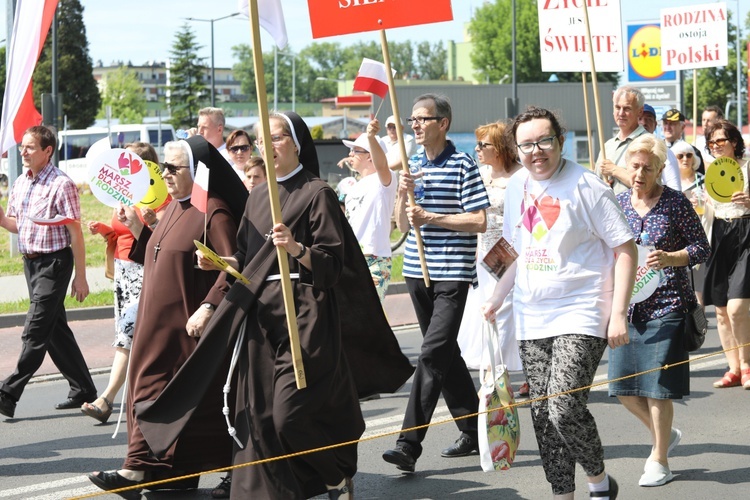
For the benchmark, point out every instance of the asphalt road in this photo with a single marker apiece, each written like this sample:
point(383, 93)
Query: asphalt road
point(45, 453)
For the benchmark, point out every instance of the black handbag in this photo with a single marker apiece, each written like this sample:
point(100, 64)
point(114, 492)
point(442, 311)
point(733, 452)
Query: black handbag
point(696, 326)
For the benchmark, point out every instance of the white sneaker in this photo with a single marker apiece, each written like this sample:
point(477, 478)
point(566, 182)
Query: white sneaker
point(655, 474)
point(674, 439)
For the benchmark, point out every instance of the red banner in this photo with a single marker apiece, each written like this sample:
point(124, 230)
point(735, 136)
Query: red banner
point(342, 17)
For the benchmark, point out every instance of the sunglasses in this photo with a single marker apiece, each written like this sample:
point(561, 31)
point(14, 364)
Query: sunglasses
point(171, 169)
point(244, 148)
point(481, 145)
point(680, 156)
point(718, 142)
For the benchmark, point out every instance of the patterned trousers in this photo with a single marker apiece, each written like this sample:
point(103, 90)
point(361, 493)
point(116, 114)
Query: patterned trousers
point(565, 429)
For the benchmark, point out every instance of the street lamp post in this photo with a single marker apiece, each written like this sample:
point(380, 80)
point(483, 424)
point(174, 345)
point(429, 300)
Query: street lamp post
point(213, 68)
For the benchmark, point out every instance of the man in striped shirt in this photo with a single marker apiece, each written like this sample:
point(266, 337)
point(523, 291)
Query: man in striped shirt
point(450, 215)
point(51, 244)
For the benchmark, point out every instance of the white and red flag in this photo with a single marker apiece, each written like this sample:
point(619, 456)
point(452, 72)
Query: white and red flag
point(30, 28)
point(199, 198)
point(372, 77)
point(271, 18)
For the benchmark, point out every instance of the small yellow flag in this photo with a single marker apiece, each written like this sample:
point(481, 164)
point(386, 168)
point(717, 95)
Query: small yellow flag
point(219, 262)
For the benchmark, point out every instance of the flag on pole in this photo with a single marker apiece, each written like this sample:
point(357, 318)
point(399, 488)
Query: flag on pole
point(372, 77)
point(271, 17)
point(30, 27)
point(199, 198)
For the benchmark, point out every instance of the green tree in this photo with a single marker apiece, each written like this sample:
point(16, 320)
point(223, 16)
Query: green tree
point(715, 85)
point(402, 59)
point(187, 92)
point(123, 92)
point(491, 29)
point(432, 61)
point(76, 84)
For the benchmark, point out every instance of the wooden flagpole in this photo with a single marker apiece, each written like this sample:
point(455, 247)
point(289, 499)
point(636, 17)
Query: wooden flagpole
point(695, 107)
point(273, 195)
point(588, 121)
point(594, 83)
point(402, 147)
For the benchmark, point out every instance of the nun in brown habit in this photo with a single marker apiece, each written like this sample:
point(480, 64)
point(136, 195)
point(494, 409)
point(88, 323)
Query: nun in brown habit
point(173, 309)
point(348, 348)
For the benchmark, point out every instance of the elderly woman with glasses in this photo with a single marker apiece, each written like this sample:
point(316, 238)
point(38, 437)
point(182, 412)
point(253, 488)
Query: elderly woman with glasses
point(571, 285)
point(727, 285)
point(663, 219)
point(688, 162)
point(176, 302)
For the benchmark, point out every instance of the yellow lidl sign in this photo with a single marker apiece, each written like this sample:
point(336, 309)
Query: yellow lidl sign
point(644, 54)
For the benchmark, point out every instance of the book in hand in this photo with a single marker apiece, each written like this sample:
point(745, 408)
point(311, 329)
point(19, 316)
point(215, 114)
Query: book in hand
point(499, 258)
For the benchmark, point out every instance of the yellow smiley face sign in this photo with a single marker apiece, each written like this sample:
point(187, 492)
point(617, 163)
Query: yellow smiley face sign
point(724, 178)
point(157, 189)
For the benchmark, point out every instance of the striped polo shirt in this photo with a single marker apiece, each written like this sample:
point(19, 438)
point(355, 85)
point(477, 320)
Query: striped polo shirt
point(452, 186)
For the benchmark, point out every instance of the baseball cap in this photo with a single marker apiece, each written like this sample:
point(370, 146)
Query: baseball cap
point(363, 142)
point(673, 115)
point(390, 121)
point(647, 108)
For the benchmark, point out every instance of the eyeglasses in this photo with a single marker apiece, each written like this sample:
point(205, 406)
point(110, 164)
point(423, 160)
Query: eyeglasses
point(481, 145)
point(358, 152)
point(717, 142)
point(680, 156)
point(171, 169)
point(275, 139)
point(543, 144)
point(244, 148)
point(390, 126)
point(422, 119)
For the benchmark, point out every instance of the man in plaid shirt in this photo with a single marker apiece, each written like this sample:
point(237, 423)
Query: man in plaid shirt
point(50, 247)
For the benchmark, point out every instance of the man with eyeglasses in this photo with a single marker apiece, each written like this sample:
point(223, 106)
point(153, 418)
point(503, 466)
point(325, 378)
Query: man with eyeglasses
point(673, 125)
point(628, 105)
point(51, 252)
point(450, 215)
point(369, 204)
point(393, 151)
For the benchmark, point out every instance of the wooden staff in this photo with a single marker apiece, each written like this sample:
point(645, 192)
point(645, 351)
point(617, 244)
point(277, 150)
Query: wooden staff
point(273, 196)
point(588, 121)
point(695, 107)
point(594, 83)
point(402, 147)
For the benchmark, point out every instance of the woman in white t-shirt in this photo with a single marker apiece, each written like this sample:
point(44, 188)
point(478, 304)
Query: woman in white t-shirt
point(369, 203)
point(568, 304)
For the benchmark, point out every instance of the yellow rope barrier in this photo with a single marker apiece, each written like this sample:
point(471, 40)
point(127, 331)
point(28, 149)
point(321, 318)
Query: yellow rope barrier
point(393, 433)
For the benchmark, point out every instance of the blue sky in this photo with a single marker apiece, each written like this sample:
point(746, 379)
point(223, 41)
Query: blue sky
point(136, 31)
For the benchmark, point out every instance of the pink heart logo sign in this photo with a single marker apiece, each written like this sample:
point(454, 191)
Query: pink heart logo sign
point(550, 209)
point(117, 176)
point(135, 166)
point(123, 163)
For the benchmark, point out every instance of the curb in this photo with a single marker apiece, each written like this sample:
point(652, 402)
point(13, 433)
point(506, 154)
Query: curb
point(105, 312)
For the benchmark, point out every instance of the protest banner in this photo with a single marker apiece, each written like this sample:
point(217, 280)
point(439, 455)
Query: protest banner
point(562, 35)
point(343, 17)
point(694, 37)
point(118, 176)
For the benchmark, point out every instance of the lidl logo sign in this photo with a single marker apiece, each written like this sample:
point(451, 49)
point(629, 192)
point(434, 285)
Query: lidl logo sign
point(644, 54)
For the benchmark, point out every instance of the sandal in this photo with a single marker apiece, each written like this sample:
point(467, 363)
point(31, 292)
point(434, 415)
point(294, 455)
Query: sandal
point(94, 411)
point(346, 491)
point(523, 391)
point(224, 488)
point(728, 380)
point(746, 378)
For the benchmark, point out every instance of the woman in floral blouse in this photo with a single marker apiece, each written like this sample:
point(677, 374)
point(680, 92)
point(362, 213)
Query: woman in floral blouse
point(663, 218)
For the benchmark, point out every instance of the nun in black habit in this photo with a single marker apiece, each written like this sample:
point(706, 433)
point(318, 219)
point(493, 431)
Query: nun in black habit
point(348, 348)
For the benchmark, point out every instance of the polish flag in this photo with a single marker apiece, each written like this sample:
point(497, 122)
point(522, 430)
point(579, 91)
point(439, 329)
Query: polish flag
point(271, 18)
point(30, 27)
point(372, 77)
point(199, 198)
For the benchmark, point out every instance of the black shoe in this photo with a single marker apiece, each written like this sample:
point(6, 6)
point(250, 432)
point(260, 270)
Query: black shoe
point(463, 447)
point(223, 489)
point(75, 402)
point(109, 481)
point(7, 405)
point(401, 457)
point(612, 492)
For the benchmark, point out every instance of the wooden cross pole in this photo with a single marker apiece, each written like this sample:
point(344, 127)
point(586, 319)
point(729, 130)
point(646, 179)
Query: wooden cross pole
point(402, 146)
point(588, 121)
point(273, 195)
point(594, 83)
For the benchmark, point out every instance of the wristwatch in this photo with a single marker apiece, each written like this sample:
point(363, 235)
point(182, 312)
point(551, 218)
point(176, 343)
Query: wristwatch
point(208, 306)
point(301, 253)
